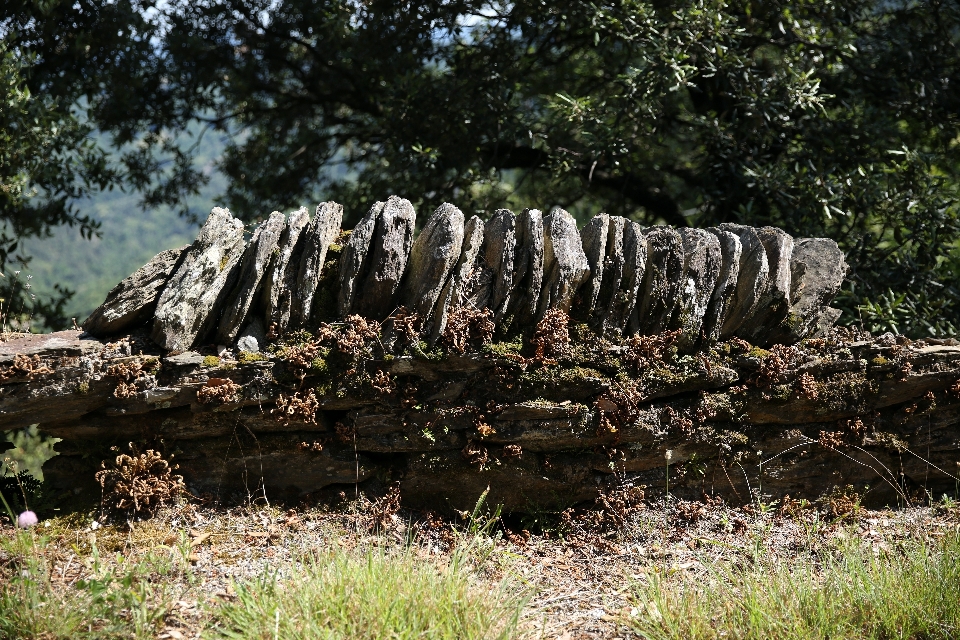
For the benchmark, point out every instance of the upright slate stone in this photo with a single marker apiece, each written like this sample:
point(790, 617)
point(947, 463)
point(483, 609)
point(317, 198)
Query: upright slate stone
point(565, 266)
point(454, 292)
point(613, 265)
point(818, 268)
point(277, 288)
point(701, 268)
point(774, 306)
point(133, 301)
point(662, 282)
point(634, 266)
point(189, 299)
point(724, 294)
point(353, 260)
point(253, 265)
point(528, 267)
point(389, 252)
point(435, 253)
point(593, 238)
point(500, 242)
point(317, 238)
point(751, 279)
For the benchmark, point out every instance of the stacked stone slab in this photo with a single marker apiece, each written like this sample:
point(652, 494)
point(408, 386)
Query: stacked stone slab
point(622, 279)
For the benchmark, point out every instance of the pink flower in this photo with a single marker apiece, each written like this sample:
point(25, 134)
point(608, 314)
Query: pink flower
point(27, 519)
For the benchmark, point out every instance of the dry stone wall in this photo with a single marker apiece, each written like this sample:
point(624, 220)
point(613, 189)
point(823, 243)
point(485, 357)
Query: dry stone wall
point(713, 284)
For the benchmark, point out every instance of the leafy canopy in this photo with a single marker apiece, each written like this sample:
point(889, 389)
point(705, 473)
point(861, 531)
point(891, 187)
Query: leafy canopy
point(835, 118)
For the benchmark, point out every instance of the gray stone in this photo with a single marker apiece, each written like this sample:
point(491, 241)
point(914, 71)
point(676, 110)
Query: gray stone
point(196, 285)
point(278, 285)
point(353, 260)
point(613, 265)
point(661, 284)
point(528, 266)
point(253, 337)
point(818, 268)
point(701, 268)
point(500, 242)
point(435, 253)
point(253, 265)
point(751, 279)
point(133, 301)
point(593, 238)
point(317, 238)
point(634, 266)
point(775, 304)
point(725, 293)
point(455, 292)
point(565, 266)
point(389, 251)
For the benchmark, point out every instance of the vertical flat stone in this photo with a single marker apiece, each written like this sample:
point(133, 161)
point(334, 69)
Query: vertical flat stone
point(613, 266)
point(818, 268)
point(701, 268)
point(189, 297)
point(662, 282)
point(724, 294)
point(353, 260)
point(593, 238)
point(433, 257)
point(565, 266)
point(317, 238)
point(454, 292)
point(751, 279)
point(775, 304)
point(277, 287)
point(253, 265)
point(528, 267)
point(500, 242)
point(628, 293)
point(133, 301)
point(389, 252)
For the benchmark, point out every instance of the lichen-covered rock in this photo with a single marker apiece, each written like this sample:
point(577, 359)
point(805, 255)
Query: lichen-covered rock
point(775, 304)
point(500, 242)
point(133, 301)
point(253, 337)
point(454, 292)
point(433, 257)
point(565, 266)
point(751, 279)
point(278, 290)
point(662, 282)
point(190, 297)
point(634, 267)
point(817, 272)
point(317, 238)
point(528, 266)
point(701, 268)
point(725, 291)
point(593, 237)
point(389, 251)
point(253, 266)
point(353, 260)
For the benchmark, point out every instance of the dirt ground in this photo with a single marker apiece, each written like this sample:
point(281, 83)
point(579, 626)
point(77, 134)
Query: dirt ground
point(580, 568)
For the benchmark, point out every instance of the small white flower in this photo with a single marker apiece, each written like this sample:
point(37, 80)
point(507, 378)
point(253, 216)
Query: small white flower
point(668, 455)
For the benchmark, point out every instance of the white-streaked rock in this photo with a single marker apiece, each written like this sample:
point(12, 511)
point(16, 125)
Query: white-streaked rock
point(433, 257)
point(317, 238)
point(565, 266)
point(389, 252)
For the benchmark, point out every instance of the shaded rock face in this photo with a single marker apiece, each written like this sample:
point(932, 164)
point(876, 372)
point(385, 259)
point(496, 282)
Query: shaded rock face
point(387, 259)
point(662, 282)
point(617, 277)
point(134, 300)
point(319, 235)
point(188, 304)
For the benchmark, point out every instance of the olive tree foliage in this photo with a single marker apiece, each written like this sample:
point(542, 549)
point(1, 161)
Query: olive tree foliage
point(826, 117)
